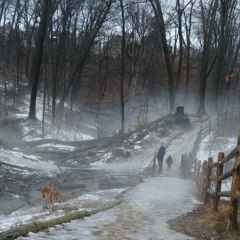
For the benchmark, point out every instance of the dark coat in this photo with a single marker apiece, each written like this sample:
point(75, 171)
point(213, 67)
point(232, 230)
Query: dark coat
point(169, 160)
point(161, 153)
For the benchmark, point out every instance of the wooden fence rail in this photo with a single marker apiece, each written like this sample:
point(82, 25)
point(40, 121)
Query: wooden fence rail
point(208, 173)
point(211, 173)
point(212, 124)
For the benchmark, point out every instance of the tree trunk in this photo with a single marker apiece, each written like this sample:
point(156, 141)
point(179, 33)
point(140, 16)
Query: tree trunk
point(188, 28)
point(82, 58)
point(207, 31)
point(122, 68)
point(37, 60)
point(179, 71)
point(222, 47)
point(234, 200)
point(160, 20)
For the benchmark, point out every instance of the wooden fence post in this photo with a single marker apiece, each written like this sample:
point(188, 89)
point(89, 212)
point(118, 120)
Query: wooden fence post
point(198, 174)
point(208, 180)
point(199, 137)
point(204, 179)
point(188, 164)
point(195, 167)
point(234, 198)
point(218, 183)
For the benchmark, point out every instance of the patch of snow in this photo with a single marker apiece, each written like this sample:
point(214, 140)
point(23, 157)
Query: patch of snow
point(58, 146)
point(209, 148)
point(103, 160)
point(136, 147)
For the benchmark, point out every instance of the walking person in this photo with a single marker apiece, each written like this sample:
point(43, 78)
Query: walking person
point(160, 156)
point(169, 162)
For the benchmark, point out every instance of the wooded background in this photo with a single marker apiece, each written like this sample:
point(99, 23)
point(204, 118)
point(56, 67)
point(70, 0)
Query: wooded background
point(122, 54)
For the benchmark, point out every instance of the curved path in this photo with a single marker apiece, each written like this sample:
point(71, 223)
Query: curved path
point(146, 208)
point(143, 215)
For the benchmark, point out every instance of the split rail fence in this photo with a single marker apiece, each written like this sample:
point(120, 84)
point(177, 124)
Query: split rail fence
point(212, 124)
point(209, 176)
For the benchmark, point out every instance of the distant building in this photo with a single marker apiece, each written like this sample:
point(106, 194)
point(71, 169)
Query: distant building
point(192, 50)
point(5, 31)
point(113, 46)
point(29, 37)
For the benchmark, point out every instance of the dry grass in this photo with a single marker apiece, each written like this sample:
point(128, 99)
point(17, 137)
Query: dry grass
point(204, 223)
point(214, 218)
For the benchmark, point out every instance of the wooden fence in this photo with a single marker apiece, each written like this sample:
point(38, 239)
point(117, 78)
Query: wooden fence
point(209, 176)
point(211, 124)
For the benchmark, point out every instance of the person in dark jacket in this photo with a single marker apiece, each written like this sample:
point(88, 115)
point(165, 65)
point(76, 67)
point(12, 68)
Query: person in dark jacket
point(160, 156)
point(169, 162)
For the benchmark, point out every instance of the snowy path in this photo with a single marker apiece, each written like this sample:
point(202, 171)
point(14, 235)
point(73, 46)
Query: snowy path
point(146, 208)
point(142, 215)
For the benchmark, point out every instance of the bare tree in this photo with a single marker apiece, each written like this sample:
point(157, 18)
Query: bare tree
point(61, 47)
point(179, 11)
point(122, 76)
point(96, 21)
point(36, 64)
point(226, 11)
point(161, 24)
point(187, 45)
point(208, 20)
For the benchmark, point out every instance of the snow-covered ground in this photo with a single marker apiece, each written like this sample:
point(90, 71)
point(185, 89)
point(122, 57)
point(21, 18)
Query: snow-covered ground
point(210, 147)
point(142, 215)
point(145, 209)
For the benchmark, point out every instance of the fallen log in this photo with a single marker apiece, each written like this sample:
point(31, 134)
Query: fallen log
point(39, 225)
point(151, 126)
point(15, 166)
point(143, 134)
point(63, 154)
point(71, 186)
point(54, 141)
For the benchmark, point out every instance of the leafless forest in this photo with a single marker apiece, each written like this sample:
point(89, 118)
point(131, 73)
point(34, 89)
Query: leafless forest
point(129, 60)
